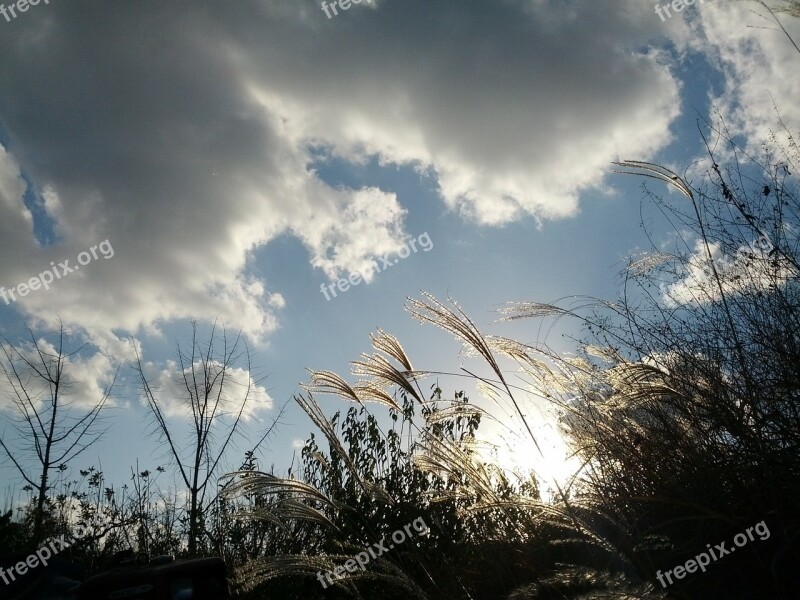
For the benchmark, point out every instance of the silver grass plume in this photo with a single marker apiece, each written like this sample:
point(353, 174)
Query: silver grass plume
point(655, 172)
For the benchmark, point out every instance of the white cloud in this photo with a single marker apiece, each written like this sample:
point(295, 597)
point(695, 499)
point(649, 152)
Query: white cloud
point(170, 390)
point(85, 378)
point(759, 64)
point(16, 224)
point(514, 106)
point(750, 268)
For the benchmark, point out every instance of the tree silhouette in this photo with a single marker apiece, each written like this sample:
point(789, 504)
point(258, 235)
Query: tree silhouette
point(49, 426)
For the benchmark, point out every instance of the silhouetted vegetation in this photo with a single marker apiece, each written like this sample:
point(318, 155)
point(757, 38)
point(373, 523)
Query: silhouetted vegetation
point(682, 401)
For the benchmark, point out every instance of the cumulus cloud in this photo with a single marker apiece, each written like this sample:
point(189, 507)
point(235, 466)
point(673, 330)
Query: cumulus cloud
point(759, 64)
point(477, 96)
point(86, 377)
point(184, 136)
point(752, 267)
point(168, 385)
point(16, 226)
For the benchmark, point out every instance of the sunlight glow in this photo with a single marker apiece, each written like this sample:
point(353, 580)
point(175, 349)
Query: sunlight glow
point(518, 454)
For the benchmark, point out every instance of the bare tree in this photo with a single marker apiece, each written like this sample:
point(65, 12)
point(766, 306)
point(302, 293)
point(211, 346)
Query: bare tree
point(205, 379)
point(48, 423)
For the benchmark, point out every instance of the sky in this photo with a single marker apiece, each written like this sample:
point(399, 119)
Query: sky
point(227, 161)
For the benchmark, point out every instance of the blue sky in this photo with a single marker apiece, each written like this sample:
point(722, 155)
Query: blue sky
point(240, 155)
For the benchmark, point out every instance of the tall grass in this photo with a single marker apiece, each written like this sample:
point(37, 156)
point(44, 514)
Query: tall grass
point(683, 409)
